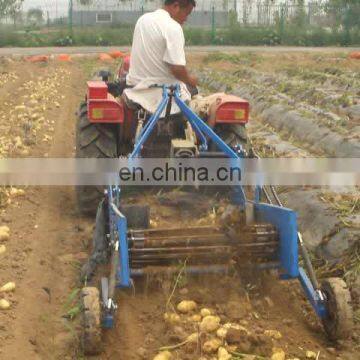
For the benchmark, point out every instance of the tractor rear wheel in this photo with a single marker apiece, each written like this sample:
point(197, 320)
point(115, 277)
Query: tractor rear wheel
point(91, 335)
point(93, 141)
point(234, 135)
point(339, 322)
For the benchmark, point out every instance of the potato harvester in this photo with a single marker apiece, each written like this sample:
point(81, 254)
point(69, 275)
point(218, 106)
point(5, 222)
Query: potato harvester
point(268, 238)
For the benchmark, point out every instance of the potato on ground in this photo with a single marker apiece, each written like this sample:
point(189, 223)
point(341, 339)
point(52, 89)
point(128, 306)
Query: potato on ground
point(4, 233)
point(209, 323)
point(186, 306)
point(164, 355)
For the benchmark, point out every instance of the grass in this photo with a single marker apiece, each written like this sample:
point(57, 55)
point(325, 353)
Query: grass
point(344, 204)
point(72, 306)
point(348, 267)
point(179, 281)
point(121, 35)
point(88, 66)
point(239, 356)
point(3, 197)
point(291, 36)
point(246, 58)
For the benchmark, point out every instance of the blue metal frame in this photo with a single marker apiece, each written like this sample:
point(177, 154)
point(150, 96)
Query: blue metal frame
point(118, 239)
point(118, 232)
point(317, 303)
point(285, 220)
point(203, 127)
point(202, 130)
point(149, 127)
point(124, 268)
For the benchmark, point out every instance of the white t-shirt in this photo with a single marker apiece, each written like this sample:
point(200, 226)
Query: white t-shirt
point(158, 41)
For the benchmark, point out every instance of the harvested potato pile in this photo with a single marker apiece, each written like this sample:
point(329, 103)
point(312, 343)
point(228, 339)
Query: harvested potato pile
point(7, 77)
point(30, 113)
point(204, 333)
point(212, 318)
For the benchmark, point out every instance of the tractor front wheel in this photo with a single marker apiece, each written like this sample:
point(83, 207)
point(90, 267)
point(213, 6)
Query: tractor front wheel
point(339, 321)
point(91, 335)
point(93, 141)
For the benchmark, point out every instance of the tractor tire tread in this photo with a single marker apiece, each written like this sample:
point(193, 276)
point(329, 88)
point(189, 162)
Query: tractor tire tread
point(87, 136)
point(91, 335)
point(106, 147)
point(83, 120)
point(92, 141)
point(234, 134)
point(340, 323)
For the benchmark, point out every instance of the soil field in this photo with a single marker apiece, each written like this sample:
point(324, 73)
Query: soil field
point(192, 49)
point(48, 240)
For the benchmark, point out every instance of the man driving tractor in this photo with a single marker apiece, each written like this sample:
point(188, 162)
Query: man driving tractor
point(117, 113)
point(158, 55)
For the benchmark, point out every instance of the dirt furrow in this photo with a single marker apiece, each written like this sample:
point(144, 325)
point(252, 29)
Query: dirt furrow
point(285, 119)
point(270, 144)
point(46, 244)
point(329, 95)
point(327, 231)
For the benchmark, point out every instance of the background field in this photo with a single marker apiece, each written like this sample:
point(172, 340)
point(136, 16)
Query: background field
point(241, 22)
point(49, 240)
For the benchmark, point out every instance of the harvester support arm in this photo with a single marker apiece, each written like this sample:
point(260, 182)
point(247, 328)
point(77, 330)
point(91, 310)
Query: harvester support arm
point(201, 127)
point(149, 127)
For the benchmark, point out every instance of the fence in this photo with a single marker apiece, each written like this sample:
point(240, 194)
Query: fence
point(311, 13)
point(207, 12)
point(127, 12)
point(221, 21)
point(221, 12)
point(148, 5)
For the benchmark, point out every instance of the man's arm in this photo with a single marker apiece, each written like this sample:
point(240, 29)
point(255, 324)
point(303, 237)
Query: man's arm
point(181, 73)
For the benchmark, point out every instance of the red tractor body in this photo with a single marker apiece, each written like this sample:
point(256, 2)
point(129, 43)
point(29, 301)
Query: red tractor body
point(230, 109)
point(102, 106)
point(105, 108)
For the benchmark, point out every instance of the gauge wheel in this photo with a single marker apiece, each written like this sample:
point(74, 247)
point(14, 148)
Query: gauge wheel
point(338, 323)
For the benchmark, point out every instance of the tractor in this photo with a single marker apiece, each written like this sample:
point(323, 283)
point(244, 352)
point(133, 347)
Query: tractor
point(108, 126)
point(265, 236)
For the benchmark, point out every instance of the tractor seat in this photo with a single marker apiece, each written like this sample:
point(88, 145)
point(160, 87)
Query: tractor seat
point(130, 104)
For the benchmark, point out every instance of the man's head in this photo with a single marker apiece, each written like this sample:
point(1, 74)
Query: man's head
point(179, 10)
